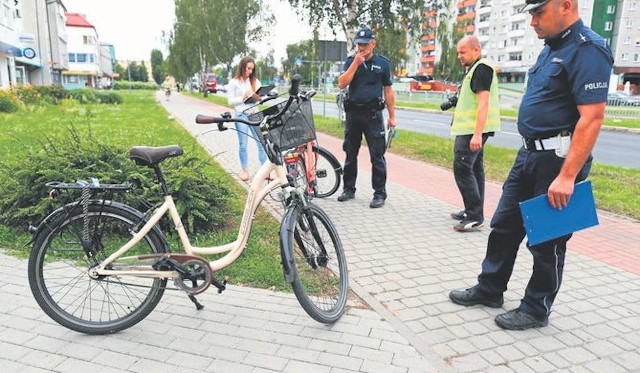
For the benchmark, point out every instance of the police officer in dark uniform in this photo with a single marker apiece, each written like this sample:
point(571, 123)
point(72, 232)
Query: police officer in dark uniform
point(368, 76)
point(559, 120)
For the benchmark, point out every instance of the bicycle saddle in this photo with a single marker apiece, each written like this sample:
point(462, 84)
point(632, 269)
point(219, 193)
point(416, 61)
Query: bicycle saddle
point(151, 156)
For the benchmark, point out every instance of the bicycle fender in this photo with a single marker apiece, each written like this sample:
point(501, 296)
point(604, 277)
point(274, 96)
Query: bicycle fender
point(45, 224)
point(332, 158)
point(286, 253)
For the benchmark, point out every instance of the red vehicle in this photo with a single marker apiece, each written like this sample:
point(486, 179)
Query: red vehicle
point(210, 83)
point(427, 83)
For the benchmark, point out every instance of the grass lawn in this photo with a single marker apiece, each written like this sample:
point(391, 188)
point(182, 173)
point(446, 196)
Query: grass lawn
point(141, 121)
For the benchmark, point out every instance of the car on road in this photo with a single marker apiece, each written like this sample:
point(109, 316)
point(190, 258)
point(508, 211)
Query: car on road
point(210, 83)
point(622, 99)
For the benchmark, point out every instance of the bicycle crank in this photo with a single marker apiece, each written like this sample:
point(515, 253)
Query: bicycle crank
point(194, 275)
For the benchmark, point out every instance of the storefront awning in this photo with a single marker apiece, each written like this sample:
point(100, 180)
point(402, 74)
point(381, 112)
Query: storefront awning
point(79, 72)
point(10, 49)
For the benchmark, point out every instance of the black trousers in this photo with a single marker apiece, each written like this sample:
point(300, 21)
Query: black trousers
point(371, 125)
point(468, 170)
point(531, 175)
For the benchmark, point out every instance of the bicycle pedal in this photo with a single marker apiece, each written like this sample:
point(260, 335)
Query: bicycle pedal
point(221, 286)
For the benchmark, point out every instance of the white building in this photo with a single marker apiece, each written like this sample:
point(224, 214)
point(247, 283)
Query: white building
point(9, 42)
point(83, 53)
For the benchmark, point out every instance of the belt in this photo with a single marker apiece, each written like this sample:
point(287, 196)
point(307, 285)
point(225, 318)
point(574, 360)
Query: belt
point(544, 144)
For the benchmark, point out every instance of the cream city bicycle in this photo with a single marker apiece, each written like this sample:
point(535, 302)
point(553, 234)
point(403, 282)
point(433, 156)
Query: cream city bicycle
point(99, 266)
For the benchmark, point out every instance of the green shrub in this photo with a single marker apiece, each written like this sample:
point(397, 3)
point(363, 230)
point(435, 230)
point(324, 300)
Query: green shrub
point(9, 103)
point(83, 95)
point(200, 197)
point(124, 85)
point(52, 94)
point(108, 97)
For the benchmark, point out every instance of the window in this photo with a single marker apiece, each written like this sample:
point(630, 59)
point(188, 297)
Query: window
point(81, 57)
point(71, 78)
point(636, 57)
point(71, 57)
point(515, 57)
point(608, 26)
point(92, 58)
point(88, 40)
point(624, 56)
point(611, 9)
point(627, 40)
point(629, 22)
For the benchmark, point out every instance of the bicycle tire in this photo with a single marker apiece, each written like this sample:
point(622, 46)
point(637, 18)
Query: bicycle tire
point(58, 270)
point(328, 173)
point(320, 276)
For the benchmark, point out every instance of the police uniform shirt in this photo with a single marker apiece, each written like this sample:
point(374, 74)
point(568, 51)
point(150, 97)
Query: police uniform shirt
point(370, 78)
point(572, 69)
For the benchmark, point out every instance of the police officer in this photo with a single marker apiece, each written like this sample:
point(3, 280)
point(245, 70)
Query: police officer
point(560, 118)
point(368, 75)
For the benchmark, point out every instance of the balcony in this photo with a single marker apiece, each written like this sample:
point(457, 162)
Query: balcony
point(514, 49)
point(483, 38)
point(483, 24)
point(484, 10)
point(518, 17)
point(516, 33)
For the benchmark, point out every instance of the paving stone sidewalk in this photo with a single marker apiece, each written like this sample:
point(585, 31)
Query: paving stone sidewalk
point(403, 261)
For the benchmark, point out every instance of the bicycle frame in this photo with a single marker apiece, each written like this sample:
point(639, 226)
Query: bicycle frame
point(256, 194)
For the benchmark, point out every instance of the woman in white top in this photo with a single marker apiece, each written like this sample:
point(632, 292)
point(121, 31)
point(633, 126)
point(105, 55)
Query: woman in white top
point(242, 87)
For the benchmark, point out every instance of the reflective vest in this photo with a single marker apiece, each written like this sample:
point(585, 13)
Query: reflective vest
point(464, 118)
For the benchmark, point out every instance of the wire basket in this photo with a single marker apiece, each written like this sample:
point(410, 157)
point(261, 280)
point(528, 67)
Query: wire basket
point(295, 127)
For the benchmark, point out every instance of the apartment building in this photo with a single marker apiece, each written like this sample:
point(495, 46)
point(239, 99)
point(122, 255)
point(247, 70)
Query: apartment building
point(83, 53)
point(625, 42)
point(9, 43)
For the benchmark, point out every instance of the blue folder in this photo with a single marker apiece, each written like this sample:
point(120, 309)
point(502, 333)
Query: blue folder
point(543, 222)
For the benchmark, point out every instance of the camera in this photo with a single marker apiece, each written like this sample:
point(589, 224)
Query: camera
point(451, 102)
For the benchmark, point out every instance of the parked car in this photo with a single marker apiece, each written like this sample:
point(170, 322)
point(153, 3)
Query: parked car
point(420, 83)
point(210, 83)
point(622, 99)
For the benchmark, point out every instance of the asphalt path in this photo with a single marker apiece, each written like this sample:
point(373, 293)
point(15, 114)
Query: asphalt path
point(615, 148)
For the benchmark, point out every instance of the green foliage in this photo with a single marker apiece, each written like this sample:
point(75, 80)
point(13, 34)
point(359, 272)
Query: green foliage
point(52, 93)
point(124, 84)
point(213, 32)
point(70, 156)
point(157, 66)
point(108, 97)
point(9, 103)
point(304, 49)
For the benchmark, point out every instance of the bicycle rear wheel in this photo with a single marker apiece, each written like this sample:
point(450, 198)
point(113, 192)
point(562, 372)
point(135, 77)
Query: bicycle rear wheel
point(58, 270)
point(320, 281)
point(328, 173)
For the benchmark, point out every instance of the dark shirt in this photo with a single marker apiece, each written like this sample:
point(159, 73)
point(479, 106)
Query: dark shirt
point(370, 78)
point(572, 69)
point(482, 78)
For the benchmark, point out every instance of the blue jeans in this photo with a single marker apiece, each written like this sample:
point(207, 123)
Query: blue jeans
point(468, 170)
point(531, 175)
point(243, 131)
point(371, 124)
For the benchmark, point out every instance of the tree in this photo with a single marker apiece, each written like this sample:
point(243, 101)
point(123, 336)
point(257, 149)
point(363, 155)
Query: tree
point(157, 66)
point(448, 33)
point(212, 32)
point(348, 15)
point(306, 51)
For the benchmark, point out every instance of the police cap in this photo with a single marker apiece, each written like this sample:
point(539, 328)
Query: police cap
point(533, 4)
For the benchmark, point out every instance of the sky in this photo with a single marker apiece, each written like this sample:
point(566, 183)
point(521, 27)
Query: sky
point(135, 27)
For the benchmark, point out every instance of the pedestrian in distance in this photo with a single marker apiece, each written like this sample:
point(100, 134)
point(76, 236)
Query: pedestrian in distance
point(559, 120)
point(166, 87)
point(368, 76)
point(242, 89)
point(477, 116)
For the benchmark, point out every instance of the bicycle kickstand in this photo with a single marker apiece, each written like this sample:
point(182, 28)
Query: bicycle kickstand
point(199, 306)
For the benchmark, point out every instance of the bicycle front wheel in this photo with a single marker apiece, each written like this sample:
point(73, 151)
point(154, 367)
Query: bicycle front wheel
point(320, 280)
point(59, 277)
point(327, 173)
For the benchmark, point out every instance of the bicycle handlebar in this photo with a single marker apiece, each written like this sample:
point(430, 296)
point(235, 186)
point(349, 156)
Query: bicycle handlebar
point(227, 117)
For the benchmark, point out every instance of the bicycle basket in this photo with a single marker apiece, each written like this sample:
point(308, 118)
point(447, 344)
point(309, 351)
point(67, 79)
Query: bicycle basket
point(295, 127)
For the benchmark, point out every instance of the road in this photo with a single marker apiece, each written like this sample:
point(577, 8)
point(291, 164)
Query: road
point(613, 148)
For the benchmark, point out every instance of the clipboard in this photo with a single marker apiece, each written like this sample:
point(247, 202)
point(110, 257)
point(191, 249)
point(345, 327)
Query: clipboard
point(262, 91)
point(543, 222)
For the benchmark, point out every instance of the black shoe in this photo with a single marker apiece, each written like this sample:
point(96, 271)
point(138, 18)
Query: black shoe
point(468, 225)
point(346, 195)
point(473, 296)
point(460, 215)
point(518, 320)
point(376, 202)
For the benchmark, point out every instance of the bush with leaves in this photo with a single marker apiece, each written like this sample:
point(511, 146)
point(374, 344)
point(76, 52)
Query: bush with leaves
point(124, 85)
point(52, 94)
point(83, 95)
point(109, 97)
point(201, 198)
point(9, 103)
point(28, 94)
